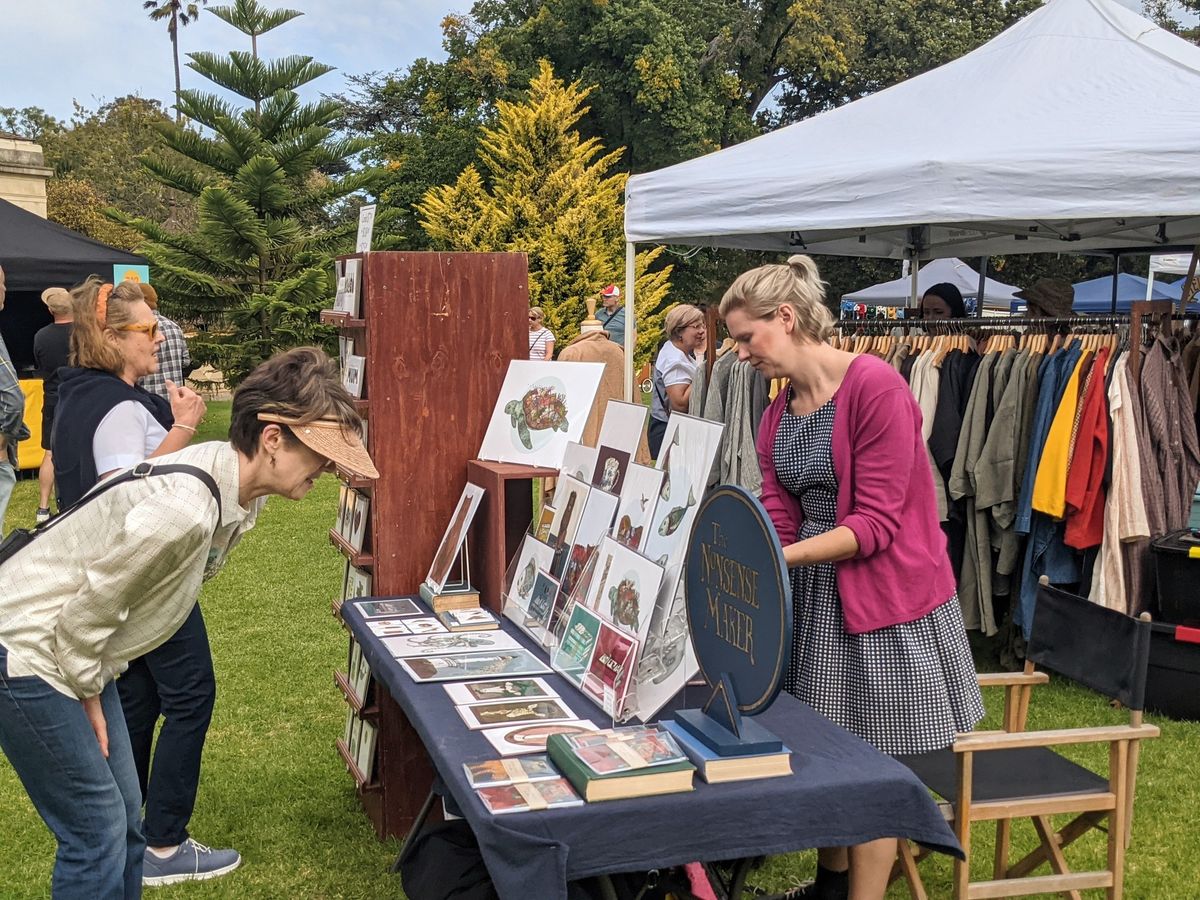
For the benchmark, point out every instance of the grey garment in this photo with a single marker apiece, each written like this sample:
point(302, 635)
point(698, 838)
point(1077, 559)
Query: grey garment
point(8, 480)
point(12, 406)
point(995, 494)
point(699, 391)
point(975, 577)
point(731, 401)
point(1171, 429)
point(1033, 366)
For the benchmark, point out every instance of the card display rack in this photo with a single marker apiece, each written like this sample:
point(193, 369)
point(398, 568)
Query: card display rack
point(437, 331)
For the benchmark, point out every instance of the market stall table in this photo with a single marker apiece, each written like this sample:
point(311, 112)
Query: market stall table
point(842, 792)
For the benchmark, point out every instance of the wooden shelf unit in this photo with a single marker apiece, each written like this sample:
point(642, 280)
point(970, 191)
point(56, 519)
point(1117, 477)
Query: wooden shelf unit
point(438, 331)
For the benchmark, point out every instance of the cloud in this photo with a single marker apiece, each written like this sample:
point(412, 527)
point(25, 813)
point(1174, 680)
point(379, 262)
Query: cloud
point(91, 51)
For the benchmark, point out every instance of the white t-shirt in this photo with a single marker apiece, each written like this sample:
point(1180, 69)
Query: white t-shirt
point(538, 341)
point(125, 437)
point(674, 367)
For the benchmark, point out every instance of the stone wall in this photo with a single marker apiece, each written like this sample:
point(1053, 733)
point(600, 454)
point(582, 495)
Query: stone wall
point(23, 173)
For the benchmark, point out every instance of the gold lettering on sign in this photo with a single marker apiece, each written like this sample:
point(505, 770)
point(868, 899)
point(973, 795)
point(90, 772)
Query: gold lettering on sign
point(729, 587)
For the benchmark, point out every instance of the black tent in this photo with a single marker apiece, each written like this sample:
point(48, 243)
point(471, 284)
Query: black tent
point(36, 254)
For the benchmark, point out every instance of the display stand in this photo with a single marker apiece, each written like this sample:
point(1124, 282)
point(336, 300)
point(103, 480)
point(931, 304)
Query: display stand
point(438, 331)
point(500, 523)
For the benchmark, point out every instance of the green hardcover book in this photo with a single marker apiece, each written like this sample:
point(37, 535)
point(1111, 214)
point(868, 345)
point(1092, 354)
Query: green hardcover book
point(673, 778)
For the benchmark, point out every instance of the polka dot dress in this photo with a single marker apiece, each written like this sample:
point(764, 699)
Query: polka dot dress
point(908, 688)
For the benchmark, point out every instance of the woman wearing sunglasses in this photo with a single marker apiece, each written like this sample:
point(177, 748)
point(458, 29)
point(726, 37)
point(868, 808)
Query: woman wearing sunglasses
point(104, 424)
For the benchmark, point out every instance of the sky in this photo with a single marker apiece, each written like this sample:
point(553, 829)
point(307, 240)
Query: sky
point(59, 51)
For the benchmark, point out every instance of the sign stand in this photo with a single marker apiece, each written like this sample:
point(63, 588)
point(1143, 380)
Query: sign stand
point(461, 586)
point(739, 609)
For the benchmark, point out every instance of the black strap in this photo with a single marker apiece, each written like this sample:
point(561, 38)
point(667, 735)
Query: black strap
point(141, 470)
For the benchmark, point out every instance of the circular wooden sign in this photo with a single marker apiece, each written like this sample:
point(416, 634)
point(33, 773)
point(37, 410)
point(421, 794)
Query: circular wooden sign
point(739, 597)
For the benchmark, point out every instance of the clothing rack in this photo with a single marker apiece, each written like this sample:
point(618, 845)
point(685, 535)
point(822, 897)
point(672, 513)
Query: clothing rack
point(947, 326)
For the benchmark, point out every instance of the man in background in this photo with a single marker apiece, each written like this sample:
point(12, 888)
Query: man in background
point(174, 361)
point(51, 352)
point(12, 420)
point(612, 314)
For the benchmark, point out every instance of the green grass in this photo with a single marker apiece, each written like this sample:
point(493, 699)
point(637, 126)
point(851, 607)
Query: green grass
point(274, 787)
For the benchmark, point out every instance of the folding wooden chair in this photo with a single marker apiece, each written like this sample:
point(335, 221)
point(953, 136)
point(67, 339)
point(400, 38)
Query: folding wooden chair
point(1011, 774)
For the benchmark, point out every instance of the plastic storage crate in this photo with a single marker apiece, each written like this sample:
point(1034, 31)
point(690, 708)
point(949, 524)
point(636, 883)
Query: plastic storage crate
point(1173, 678)
point(1177, 573)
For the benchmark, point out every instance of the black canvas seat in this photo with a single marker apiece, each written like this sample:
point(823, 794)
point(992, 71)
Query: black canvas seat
point(1006, 774)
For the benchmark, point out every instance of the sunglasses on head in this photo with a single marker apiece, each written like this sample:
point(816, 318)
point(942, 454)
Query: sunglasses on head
point(150, 329)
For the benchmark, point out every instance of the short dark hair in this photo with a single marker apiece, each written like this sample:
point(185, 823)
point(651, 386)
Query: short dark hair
point(953, 297)
point(302, 383)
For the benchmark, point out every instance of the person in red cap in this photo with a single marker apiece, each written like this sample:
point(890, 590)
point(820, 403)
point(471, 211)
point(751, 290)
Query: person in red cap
point(612, 314)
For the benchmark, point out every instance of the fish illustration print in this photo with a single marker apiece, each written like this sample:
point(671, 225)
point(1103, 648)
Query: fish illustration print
point(675, 516)
point(665, 493)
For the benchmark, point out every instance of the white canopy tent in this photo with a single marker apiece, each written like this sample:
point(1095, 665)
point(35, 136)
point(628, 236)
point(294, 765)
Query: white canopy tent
point(996, 294)
point(1168, 264)
point(1076, 129)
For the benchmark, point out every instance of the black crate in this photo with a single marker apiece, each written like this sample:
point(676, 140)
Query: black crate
point(1178, 577)
point(1173, 679)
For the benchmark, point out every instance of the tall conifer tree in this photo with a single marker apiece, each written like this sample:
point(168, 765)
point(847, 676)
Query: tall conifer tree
point(257, 268)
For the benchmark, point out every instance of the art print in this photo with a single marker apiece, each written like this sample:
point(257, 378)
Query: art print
point(542, 601)
point(365, 758)
point(579, 461)
point(624, 587)
point(542, 407)
point(354, 375)
point(358, 583)
point(359, 674)
point(533, 557)
point(639, 496)
point(594, 524)
point(570, 496)
point(360, 517)
point(426, 625)
point(388, 627)
point(452, 539)
point(609, 473)
point(467, 666)
point(390, 608)
point(532, 738)
point(549, 794)
point(498, 689)
point(666, 660)
point(345, 351)
point(448, 642)
point(540, 527)
point(611, 668)
point(496, 772)
point(623, 426)
point(574, 651)
point(514, 712)
point(689, 447)
point(340, 522)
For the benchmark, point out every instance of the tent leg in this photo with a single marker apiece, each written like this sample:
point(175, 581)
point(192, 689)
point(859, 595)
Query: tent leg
point(913, 268)
point(983, 267)
point(630, 324)
point(1116, 276)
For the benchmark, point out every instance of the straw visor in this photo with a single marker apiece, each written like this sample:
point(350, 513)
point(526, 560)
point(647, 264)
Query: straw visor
point(327, 437)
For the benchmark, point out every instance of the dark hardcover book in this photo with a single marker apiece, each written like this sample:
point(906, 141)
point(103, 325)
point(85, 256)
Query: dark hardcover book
point(673, 778)
point(715, 769)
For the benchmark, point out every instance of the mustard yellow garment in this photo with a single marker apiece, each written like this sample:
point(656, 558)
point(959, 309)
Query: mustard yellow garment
point(1050, 485)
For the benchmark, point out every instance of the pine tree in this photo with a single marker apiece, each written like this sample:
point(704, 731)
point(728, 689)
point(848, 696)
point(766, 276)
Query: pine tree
point(545, 191)
point(257, 268)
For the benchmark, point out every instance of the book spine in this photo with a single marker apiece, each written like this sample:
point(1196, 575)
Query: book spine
point(568, 764)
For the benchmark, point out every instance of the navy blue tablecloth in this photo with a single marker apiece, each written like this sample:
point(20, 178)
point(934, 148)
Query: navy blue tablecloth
point(842, 792)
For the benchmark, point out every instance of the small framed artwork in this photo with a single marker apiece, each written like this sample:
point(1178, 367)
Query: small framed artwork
point(388, 609)
point(540, 527)
point(639, 496)
point(452, 539)
point(609, 473)
point(365, 758)
point(349, 288)
point(624, 588)
point(354, 375)
point(533, 557)
point(541, 601)
point(579, 461)
point(358, 583)
point(569, 497)
point(623, 426)
point(345, 351)
point(359, 518)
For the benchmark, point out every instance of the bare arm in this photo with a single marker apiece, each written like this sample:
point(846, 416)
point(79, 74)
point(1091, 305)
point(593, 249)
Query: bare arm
point(549, 350)
point(833, 546)
point(678, 396)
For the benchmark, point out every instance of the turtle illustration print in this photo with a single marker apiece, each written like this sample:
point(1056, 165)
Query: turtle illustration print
point(623, 603)
point(541, 409)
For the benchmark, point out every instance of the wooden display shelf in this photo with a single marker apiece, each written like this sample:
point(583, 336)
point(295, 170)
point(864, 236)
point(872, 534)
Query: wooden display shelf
point(359, 779)
point(354, 481)
point(501, 523)
point(341, 319)
point(362, 405)
point(336, 608)
point(367, 711)
point(360, 558)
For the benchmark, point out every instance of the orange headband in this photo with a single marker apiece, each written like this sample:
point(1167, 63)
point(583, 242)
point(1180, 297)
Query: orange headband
point(102, 302)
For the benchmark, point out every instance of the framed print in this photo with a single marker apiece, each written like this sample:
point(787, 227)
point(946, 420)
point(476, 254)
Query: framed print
point(340, 522)
point(569, 497)
point(579, 461)
point(624, 588)
point(541, 601)
point(440, 644)
point(574, 652)
point(542, 407)
point(499, 689)
point(452, 539)
point(358, 583)
point(515, 740)
point(365, 758)
point(533, 557)
point(514, 712)
point(354, 375)
point(388, 609)
point(611, 668)
point(349, 288)
point(594, 524)
point(689, 448)
point(360, 516)
point(609, 474)
point(623, 426)
point(468, 666)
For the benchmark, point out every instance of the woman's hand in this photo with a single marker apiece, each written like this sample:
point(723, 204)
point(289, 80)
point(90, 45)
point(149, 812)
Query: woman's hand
point(832, 546)
point(187, 406)
point(95, 714)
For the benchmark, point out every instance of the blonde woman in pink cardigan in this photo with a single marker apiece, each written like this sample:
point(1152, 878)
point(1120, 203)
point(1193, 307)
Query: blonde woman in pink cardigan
point(878, 645)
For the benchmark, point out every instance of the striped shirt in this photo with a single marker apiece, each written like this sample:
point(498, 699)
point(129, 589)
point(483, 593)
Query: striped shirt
point(117, 577)
point(173, 357)
point(538, 340)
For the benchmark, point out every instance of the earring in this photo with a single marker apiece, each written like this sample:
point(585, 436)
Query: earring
point(272, 460)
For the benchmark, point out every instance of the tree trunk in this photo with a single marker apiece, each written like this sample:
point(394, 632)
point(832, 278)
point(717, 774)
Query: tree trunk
point(175, 57)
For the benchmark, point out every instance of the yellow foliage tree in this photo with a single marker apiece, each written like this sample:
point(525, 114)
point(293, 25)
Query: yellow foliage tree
point(546, 192)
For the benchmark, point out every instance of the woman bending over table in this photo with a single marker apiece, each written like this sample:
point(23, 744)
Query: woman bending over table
point(878, 645)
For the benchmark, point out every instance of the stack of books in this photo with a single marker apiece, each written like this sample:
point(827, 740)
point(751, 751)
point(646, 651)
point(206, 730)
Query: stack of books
point(617, 763)
point(714, 768)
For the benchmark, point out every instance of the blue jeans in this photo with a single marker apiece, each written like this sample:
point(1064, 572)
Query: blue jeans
point(8, 480)
point(92, 805)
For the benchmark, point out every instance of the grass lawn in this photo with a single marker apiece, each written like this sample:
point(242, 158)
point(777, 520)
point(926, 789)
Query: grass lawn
point(274, 787)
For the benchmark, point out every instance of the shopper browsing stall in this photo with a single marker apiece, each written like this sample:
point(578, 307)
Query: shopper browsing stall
point(674, 367)
point(879, 645)
point(116, 578)
point(51, 352)
point(541, 338)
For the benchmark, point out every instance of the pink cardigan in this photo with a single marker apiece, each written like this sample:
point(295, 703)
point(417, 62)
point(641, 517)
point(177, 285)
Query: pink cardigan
point(885, 496)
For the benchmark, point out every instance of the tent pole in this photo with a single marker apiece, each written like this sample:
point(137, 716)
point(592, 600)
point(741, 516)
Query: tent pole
point(1188, 291)
point(914, 266)
point(630, 325)
point(1116, 276)
point(983, 266)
